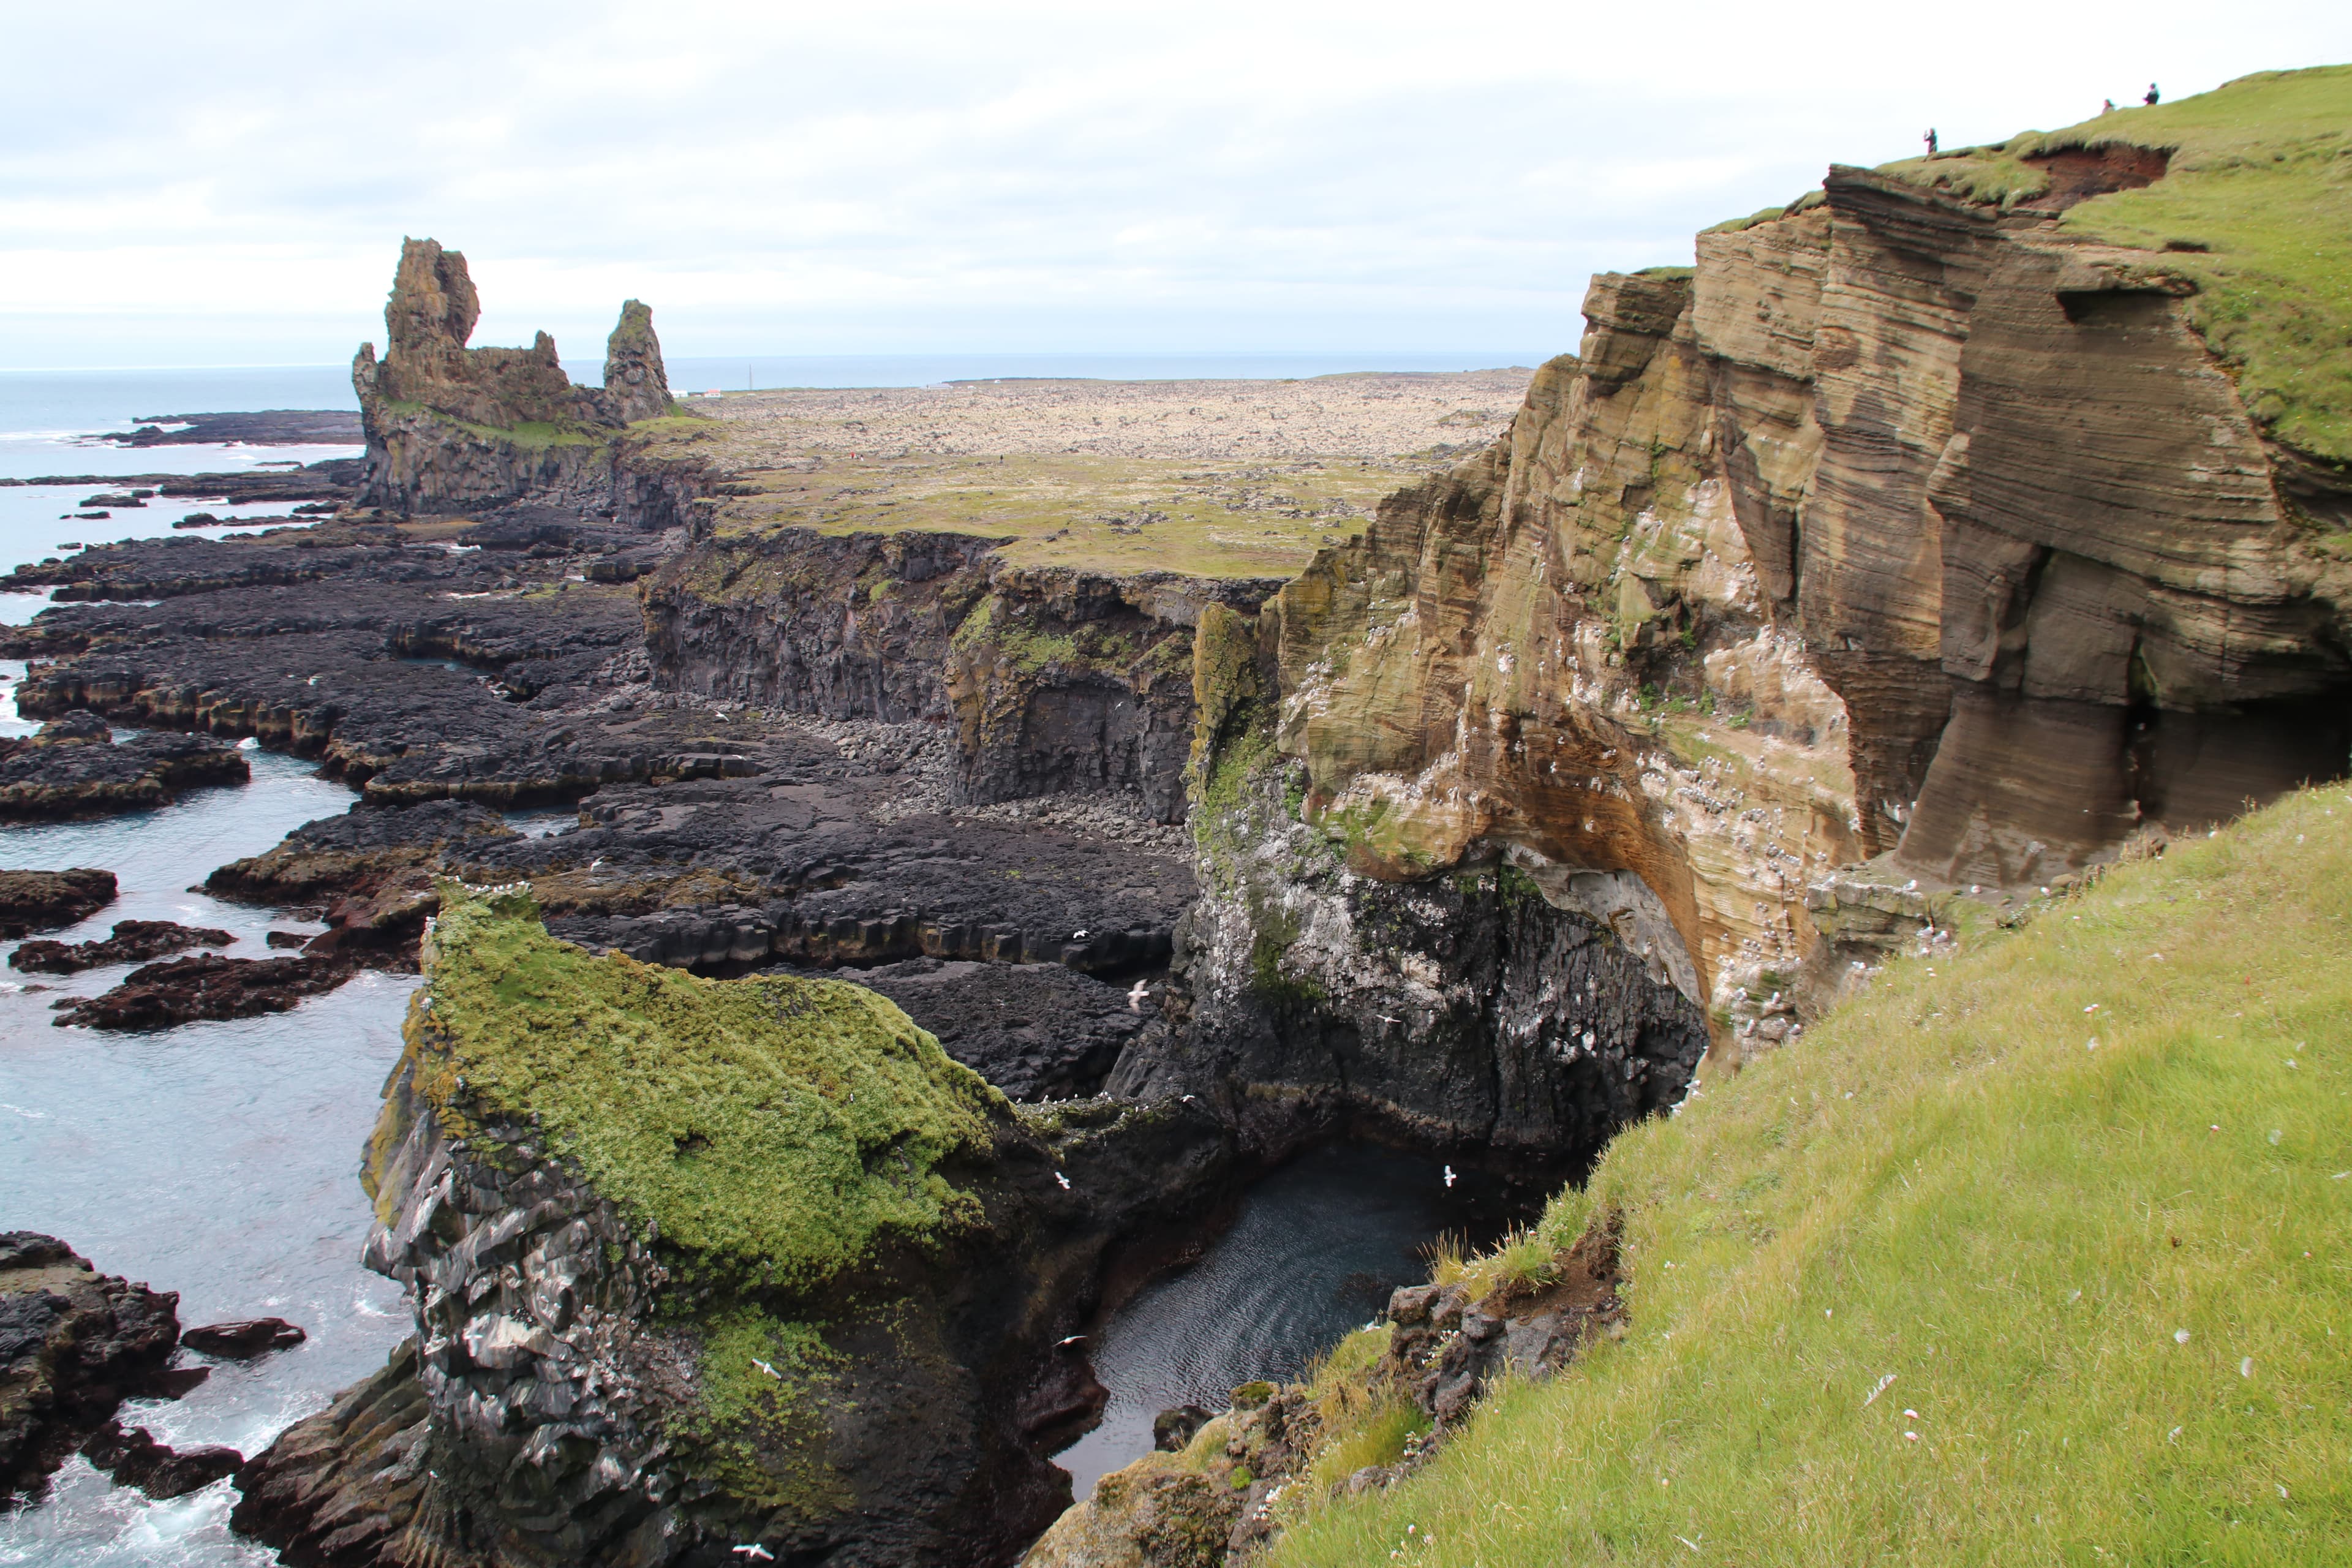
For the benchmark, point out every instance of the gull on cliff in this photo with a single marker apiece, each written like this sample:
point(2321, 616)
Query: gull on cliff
point(1135, 997)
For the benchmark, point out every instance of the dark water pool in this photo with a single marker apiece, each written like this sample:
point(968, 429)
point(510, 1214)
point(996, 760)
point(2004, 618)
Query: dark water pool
point(1312, 1254)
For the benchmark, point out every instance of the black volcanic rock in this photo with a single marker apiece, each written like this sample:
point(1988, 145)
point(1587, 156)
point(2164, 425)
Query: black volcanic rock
point(35, 901)
point(268, 427)
point(243, 1340)
point(72, 769)
point(133, 942)
point(74, 1343)
point(205, 986)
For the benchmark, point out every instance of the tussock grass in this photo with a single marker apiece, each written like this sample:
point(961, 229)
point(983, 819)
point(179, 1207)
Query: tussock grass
point(2114, 1283)
point(2257, 204)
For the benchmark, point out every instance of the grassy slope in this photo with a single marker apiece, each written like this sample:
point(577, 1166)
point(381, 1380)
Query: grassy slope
point(776, 1127)
point(2262, 177)
point(1946, 1183)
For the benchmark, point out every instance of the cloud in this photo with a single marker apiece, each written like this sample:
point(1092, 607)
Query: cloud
point(231, 182)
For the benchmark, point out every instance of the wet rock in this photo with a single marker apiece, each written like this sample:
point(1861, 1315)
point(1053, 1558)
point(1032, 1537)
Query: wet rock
point(134, 1459)
point(74, 1343)
point(206, 986)
point(133, 942)
point(71, 769)
point(32, 901)
point(243, 1340)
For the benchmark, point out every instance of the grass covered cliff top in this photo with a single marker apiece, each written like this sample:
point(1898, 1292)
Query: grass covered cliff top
point(2256, 202)
point(2037, 1254)
point(778, 1127)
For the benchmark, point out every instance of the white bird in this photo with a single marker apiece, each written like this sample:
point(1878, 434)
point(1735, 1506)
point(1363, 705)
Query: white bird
point(1135, 997)
point(1063, 1178)
point(755, 1552)
point(1449, 1175)
point(1384, 1018)
point(772, 1372)
point(1077, 936)
point(1073, 1340)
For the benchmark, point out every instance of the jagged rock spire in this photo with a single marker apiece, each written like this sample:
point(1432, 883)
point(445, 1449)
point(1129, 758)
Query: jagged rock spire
point(635, 385)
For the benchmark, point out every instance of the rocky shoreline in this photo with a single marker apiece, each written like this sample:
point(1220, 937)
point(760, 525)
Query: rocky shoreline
point(1596, 764)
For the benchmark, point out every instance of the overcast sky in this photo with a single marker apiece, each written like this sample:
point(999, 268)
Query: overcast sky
point(229, 183)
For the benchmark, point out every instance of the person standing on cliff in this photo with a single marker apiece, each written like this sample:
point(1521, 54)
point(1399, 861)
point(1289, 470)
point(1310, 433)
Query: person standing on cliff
point(2152, 95)
point(1930, 140)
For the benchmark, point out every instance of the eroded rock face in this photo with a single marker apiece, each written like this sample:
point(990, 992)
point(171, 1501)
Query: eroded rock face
point(1901, 526)
point(451, 427)
point(1056, 681)
point(1464, 1012)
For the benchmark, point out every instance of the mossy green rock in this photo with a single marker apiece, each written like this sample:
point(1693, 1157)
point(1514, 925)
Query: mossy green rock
point(776, 1129)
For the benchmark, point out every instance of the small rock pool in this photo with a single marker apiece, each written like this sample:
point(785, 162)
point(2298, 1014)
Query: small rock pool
point(1312, 1254)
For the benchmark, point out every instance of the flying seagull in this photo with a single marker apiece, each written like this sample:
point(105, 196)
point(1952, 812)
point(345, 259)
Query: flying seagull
point(1135, 997)
point(779, 1376)
point(1073, 1340)
point(755, 1552)
point(1449, 1177)
point(1063, 1178)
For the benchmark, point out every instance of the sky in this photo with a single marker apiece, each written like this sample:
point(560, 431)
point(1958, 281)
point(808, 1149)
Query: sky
point(229, 183)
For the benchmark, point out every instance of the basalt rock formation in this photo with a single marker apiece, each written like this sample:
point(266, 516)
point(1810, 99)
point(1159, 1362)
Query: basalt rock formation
point(791, 1279)
point(1056, 679)
point(72, 768)
point(451, 428)
point(39, 901)
point(132, 941)
point(74, 1343)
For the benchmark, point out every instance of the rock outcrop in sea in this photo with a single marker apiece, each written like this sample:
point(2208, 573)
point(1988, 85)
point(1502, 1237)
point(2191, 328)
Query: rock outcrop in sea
point(449, 427)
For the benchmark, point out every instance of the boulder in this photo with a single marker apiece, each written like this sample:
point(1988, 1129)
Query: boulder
point(33, 901)
point(243, 1340)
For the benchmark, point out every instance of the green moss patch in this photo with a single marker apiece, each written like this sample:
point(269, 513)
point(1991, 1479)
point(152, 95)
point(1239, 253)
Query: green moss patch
point(778, 1128)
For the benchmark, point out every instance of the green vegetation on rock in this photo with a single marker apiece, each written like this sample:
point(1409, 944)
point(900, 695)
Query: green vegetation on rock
point(775, 1128)
point(2040, 1253)
point(2256, 208)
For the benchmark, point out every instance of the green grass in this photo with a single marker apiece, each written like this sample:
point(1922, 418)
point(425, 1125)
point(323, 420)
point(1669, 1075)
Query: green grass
point(1262, 518)
point(776, 1129)
point(2261, 185)
point(1948, 1184)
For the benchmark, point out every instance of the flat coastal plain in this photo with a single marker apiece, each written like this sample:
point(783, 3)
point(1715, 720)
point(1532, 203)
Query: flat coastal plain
point(1225, 478)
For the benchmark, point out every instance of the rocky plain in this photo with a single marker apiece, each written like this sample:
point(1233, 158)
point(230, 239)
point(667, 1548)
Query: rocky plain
point(1184, 774)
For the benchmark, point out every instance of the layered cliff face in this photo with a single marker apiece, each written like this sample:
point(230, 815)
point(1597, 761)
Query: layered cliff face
point(1057, 680)
point(699, 1264)
point(450, 427)
point(1906, 525)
